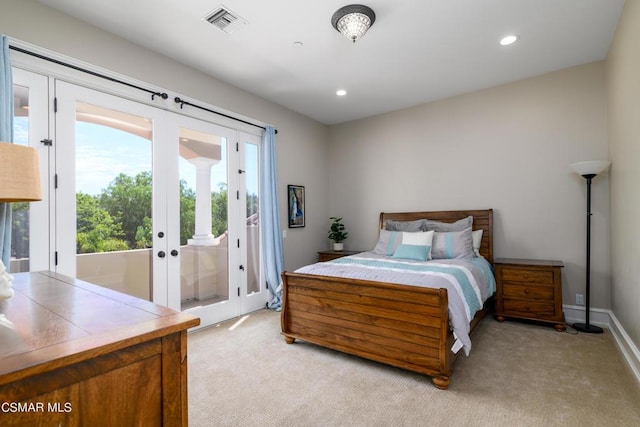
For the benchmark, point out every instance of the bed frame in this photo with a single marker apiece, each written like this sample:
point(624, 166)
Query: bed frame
point(399, 325)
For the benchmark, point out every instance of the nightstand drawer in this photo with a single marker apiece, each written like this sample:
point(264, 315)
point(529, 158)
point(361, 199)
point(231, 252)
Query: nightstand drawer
point(529, 308)
point(527, 291)
point(544, 277)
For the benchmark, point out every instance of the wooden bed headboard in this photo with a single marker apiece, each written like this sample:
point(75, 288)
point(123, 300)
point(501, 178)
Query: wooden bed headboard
point(482, 220)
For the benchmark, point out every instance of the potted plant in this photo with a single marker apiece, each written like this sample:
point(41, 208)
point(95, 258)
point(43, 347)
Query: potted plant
point(337, 233)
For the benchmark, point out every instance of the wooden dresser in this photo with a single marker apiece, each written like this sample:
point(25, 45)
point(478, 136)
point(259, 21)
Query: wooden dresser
point(324, 256)
point(76, 354)
point(529, 289)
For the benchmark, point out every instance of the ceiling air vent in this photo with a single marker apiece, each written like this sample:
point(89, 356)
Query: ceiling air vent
point(224, 19)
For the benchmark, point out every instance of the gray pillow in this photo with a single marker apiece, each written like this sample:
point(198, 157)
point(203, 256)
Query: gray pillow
point(446, 226)
point(388, 241)
point(453, 244)
point(410, 226)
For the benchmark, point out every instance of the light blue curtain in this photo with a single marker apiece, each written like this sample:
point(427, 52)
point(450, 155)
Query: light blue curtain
point(6, 135)
point(270, 218)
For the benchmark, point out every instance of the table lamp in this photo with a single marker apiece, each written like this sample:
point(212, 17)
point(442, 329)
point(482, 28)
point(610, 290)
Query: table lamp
point(19, 182)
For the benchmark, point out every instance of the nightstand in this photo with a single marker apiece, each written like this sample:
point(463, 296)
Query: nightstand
point(329, 255)
point(529, 289)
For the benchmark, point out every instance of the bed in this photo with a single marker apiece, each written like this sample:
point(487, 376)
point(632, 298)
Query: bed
point(401, 325)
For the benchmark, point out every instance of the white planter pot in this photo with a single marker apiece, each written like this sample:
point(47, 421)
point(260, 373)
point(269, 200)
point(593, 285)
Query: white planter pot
point(338, 246)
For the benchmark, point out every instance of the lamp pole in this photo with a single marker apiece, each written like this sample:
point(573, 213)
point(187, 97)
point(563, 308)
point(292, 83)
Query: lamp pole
point(586, 327)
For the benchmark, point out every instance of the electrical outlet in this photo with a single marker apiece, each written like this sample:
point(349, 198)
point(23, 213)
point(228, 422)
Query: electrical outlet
point(579, 299)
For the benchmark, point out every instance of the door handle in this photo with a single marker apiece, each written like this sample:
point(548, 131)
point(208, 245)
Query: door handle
point(174, 253)
point(161, 254)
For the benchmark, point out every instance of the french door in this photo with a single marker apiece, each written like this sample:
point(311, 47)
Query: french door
point(155, 204)
point(30, 127)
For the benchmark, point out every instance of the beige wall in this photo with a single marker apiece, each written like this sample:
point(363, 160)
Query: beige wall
point(623, 109)
point(508, 148)
point(302, 155)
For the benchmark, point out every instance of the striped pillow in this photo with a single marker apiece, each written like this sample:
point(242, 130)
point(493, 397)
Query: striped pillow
point(453, 244)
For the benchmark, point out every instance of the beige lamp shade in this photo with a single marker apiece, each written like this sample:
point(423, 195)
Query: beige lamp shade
point(19, 174)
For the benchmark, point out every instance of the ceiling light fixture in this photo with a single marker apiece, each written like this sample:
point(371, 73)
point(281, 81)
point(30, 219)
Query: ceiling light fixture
point(507, 40)
point(341, 92)
point(353, 21)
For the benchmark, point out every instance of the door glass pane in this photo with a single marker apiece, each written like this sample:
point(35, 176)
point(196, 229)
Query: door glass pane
point(203, 219)
point(113, 199)
point(253, 221)
point(19, 261)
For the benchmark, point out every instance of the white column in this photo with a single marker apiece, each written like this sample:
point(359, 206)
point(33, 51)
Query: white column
point(203, 236)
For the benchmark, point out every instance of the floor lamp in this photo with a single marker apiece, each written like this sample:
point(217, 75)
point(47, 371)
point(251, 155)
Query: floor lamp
point(589, 170)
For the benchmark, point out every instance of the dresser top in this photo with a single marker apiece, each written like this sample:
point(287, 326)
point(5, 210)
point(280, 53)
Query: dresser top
point(54, 319)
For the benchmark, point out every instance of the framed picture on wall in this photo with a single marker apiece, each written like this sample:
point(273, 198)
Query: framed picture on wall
point(296, 206)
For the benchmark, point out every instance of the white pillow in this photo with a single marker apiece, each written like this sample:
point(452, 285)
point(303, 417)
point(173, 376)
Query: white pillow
point(477, 240)
point(420, 238)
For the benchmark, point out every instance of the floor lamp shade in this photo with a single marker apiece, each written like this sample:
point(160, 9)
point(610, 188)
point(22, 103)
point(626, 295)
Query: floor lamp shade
point(594, 167)
point(589, 170)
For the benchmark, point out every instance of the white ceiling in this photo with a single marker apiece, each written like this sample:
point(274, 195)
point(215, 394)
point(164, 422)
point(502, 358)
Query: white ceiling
point(417, 51)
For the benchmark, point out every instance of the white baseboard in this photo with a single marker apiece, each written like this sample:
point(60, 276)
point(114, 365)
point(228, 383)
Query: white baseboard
point(598, 316)
point(606, 319)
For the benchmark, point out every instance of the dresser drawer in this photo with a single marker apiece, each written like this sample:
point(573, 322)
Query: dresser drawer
point(527, 291)
point(543, 277)
point(529, 308)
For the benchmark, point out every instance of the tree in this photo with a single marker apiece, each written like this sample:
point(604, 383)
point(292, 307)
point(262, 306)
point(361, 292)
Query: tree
point(219, 210)
point(120, 217)
point(96, 230)
point(144, 234)
point(128, 201)
point(187, 212)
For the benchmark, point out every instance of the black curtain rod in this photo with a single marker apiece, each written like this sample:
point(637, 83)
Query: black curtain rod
point(183, 102)
point(153, 93)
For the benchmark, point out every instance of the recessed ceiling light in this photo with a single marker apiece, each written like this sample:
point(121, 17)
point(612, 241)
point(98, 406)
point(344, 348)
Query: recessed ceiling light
point(297, 45)
point(507, 40)
point(341, 92)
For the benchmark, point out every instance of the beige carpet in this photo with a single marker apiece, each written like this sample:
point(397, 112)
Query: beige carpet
point(516, 375)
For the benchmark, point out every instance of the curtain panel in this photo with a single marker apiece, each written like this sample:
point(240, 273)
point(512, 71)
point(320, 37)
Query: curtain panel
point(270, 218)
point(6, 135)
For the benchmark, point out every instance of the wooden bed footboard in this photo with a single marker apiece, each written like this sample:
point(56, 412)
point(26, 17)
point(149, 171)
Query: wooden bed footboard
point(399, 325)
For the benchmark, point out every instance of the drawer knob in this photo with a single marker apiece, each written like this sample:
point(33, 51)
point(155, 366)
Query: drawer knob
point(526, 291)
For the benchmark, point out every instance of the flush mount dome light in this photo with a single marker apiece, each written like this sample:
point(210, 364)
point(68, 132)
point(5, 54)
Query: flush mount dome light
point(353, 21)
